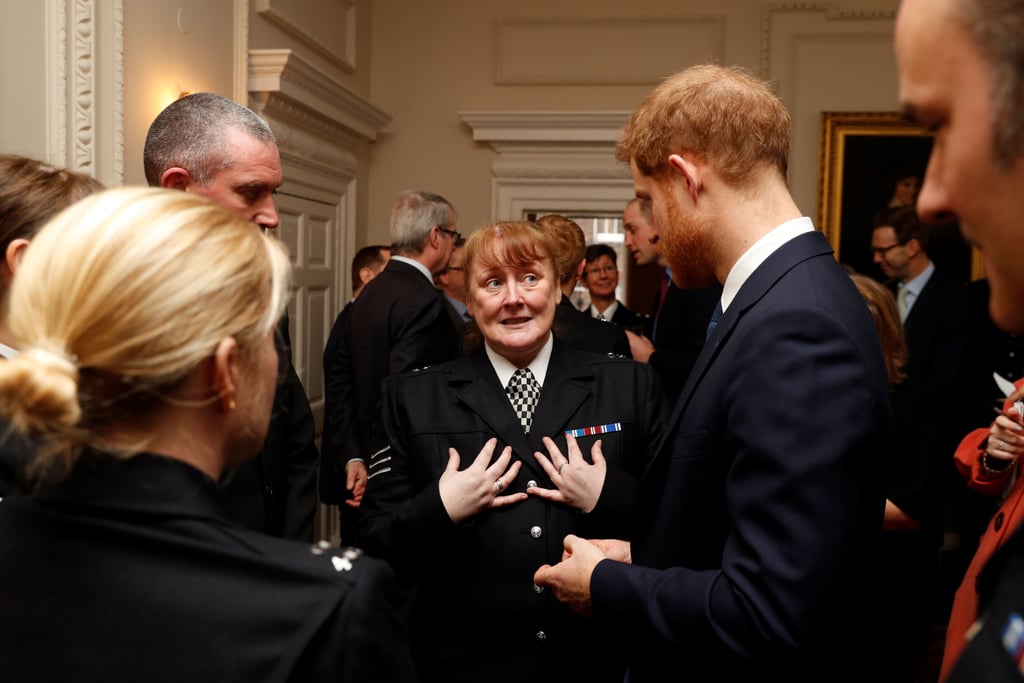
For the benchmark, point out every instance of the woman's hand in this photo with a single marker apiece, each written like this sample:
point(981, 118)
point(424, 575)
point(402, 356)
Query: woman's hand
point(579, 483)
point(1004, 440)
point(478, 487)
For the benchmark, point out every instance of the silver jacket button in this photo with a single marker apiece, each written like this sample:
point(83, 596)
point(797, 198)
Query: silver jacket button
point(541, 635)
point(532, 482)
point(535, 531)
point(538, 589)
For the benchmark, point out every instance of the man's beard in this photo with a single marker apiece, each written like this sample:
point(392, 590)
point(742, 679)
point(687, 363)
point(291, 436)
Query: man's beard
point(688, 247)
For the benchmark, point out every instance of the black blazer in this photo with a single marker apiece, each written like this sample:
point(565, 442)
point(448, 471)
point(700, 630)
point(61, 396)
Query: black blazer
point(628, 319)
point(131, 567)
point(580, 331)
point(474, 596)
point(331, 482)
point(678, 333)
point(276, 492)
point(399, 322)
point(939, 342)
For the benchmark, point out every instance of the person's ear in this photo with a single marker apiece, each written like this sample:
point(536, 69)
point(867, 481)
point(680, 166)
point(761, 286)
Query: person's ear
point(226, 371)
point(690, 171)
point(366, 274)
point(580, 268)
point(913, 247)
point(15, 252)
point(176, 178)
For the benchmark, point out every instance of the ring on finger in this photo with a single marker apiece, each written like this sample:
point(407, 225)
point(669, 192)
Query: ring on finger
point(562, 467)
point(500, 484)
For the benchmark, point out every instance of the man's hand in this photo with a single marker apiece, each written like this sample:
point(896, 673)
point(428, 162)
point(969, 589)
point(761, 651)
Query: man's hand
point(639, 346)
point(570, 578)
point(355, 481)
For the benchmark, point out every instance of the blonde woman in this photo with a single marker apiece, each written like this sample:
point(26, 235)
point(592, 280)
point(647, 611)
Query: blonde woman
point(146, 370)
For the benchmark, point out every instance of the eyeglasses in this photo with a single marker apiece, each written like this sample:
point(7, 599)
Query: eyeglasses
point(602, 269)
point(882, 251)
point(456, 235)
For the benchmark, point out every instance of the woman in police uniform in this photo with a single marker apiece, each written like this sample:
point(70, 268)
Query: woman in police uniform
point(146, 369)
point(470, 491)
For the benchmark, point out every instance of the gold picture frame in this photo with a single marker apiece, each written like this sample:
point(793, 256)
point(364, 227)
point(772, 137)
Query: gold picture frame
point(860, 154)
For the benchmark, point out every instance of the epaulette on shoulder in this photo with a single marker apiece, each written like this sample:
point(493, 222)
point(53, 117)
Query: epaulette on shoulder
point(342, 559)
point(426, 370)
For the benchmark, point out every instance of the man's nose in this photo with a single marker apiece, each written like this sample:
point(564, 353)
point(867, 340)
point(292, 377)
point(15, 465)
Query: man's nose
point(266, 216)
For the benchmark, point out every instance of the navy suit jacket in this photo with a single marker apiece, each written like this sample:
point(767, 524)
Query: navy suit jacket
point(474, 596)
point(756, 531)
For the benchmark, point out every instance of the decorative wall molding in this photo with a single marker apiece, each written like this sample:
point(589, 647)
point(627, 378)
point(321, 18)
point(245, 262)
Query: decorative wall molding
point(831, 13)
point(545, 126)
point(57, 88)
point(577, 50)
point(343, 55)
point(323, 103)
point(83, 83)
point(85, 50)
point(806, 49)
point(553, 161)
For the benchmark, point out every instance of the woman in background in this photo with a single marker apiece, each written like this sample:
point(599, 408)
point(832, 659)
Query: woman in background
point(145, 371)
point(32, 192)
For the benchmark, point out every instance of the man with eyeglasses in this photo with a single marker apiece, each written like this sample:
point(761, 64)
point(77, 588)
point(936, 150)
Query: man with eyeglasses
point(400, 322)
point(936, 314)
point(452, 282)
point(601, 278)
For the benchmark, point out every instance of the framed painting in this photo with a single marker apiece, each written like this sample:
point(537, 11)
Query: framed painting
point(867, 160)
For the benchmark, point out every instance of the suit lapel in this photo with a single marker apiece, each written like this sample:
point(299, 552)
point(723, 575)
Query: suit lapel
point(781, 261)
point(565, 388)
point(483, 394)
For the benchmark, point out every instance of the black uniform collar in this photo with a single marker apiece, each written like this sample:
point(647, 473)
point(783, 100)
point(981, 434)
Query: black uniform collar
point(145, 483)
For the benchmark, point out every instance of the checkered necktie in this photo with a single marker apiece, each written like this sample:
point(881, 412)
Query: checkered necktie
point(523, 391)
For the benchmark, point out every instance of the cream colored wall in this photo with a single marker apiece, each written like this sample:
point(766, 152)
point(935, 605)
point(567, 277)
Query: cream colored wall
point(170, 48)
point(431, 60)
point(423, 62)
point(23, 113)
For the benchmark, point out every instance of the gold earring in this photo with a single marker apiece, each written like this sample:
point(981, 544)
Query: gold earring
point(231, 404)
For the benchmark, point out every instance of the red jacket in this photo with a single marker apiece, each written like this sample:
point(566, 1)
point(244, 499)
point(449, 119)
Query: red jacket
point(1007, 518)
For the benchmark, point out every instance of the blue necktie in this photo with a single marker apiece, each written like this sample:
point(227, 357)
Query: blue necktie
point(715, 317)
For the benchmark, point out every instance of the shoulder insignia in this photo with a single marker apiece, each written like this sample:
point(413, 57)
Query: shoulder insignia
point(343, 562)
point(341, 558)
